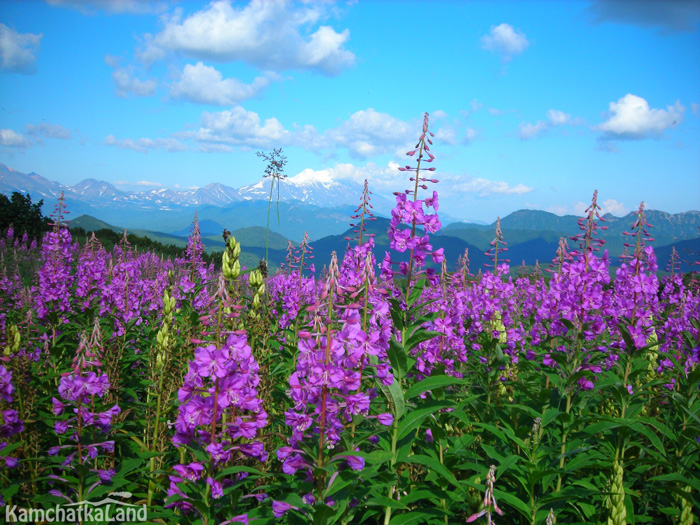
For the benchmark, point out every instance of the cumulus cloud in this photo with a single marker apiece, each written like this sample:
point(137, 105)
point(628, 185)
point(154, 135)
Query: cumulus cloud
point(505, 40)
point(236, 127)
point(18, 50)
point(368, 133)
point(145, 144)
point(631, 118)
point(126, 81)
point(112, 6)
point(485, 187)
point(668, 15)
point(205, 84)
point(268, 34)
point(49, 131)
point(616, 208)
point(12, 139)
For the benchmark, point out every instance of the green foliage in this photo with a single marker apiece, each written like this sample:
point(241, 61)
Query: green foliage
point(25, 217)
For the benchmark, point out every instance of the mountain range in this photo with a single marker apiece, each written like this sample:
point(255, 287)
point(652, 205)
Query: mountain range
point(322, 207)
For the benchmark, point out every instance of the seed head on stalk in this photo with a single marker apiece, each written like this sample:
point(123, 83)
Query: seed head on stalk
point(275, 166)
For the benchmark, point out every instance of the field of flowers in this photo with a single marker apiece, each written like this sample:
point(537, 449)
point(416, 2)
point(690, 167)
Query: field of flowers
point(367, 391)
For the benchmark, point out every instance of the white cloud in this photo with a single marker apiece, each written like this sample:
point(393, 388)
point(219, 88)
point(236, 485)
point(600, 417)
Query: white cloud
point(368, 133)
point(485, 187)
point(609, 206)
point(447, 135)
point(558, 118)
point(555, 117)
point(528, 131)
point(11, 139)
point(205, 84)
point(18, 51)
point(269, 34)
point(505, 40)
point(631, 118)
point(112, 6)
point(145, 144)
point(612, 206)
point(695, 108)
point(239, 127)
point(126, 82)
point(49, 131)
point(555, 209)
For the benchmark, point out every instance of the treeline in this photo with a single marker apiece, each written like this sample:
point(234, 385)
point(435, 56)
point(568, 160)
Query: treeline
point(18, 212)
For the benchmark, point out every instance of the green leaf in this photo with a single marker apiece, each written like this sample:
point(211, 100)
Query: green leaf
point(394, 395)
point(437, 467)
point(418, 337)
point(383, 501)
point(397, 358)
point(415, 417)
point(416, 292)
point(415, 516)
point(512, 501)
point(432, 383)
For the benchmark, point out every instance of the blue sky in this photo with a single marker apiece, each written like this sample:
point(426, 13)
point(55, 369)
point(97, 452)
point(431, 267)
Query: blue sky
point(534, 104)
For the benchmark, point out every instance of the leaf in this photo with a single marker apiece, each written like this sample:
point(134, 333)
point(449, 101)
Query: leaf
point(512, 501)
point(416, 292)
point(395, 396)
point(397, 358)
point(437, 467)
point(415, 516)
point(418, 337)
point(504, 465)
point(414, 418)
point(383, 501)
point(432, 383)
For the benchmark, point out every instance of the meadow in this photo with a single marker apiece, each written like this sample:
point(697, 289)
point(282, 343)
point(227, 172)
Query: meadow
point(354, 390)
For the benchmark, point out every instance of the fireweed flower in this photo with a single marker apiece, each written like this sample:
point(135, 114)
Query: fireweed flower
point(10, 424)
point(413, 212)
point(325, 387)
point(52, 295)
point(80, 391)
point(219, 411)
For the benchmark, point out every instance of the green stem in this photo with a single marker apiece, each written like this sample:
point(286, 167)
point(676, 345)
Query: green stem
point(269, 208)
point(394, 436)
point(565, 433)
point(154, 443)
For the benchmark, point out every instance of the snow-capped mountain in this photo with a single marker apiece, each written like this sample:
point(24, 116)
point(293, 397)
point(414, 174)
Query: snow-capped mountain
point(314, 188)
point(310, 187)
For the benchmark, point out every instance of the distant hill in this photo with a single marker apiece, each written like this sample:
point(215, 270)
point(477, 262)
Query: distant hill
point(91, 224)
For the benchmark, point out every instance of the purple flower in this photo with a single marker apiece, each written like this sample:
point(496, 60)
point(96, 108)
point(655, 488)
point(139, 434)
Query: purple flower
point(385, 419)
point(280, 508)
point(217, 490)
point(355, 462)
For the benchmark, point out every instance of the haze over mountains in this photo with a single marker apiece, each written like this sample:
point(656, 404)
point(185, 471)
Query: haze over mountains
point(322, 207)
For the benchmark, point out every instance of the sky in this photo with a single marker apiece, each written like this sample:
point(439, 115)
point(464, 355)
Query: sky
point(534, 105)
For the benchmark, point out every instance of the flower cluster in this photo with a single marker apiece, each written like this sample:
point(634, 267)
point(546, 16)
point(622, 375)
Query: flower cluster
point(220, 411)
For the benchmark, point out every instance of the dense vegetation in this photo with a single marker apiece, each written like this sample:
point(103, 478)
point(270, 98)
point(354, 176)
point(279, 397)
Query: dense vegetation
point(371, 392)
